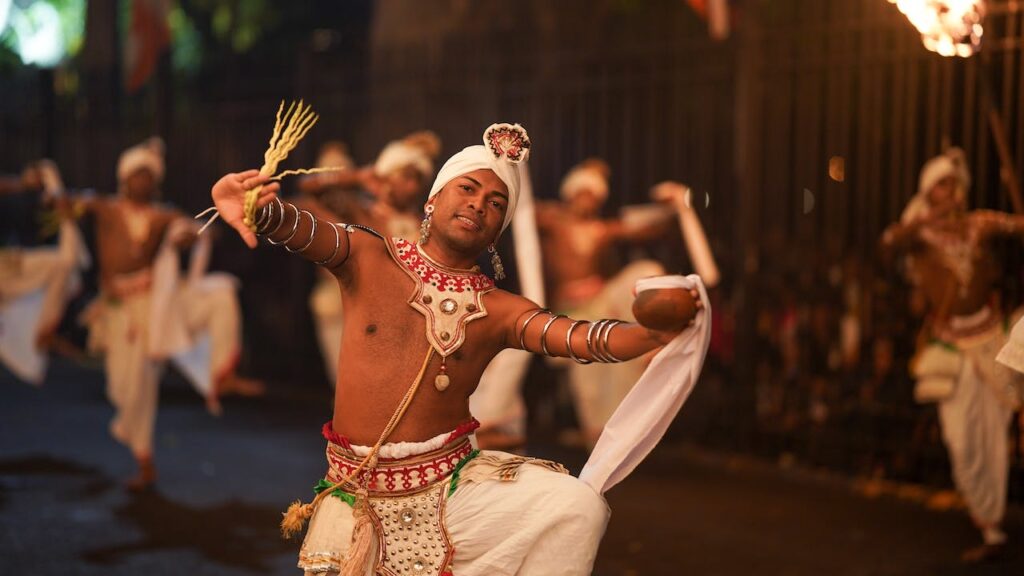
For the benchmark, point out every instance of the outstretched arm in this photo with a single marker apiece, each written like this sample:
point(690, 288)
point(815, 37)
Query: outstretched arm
point(316, 184)
point(994, 223)
point(281, 223)
point(900, 236)
point(544, 332)
point(673, 195)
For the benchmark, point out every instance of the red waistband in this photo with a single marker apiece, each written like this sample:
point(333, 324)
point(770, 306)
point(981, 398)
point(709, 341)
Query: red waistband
point(401, 476)
point(461, 430)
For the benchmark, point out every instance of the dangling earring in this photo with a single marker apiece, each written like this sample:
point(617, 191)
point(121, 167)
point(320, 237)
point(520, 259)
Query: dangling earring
point(425, 225)
point(499, 268)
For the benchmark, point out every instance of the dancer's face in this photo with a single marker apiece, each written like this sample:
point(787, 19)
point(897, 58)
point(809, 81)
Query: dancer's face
point(942, 198)
point(585, 203)
point(469, 211)
point(405, 187)
point(140, 186)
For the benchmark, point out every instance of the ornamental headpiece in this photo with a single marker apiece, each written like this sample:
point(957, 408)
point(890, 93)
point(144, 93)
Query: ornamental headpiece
point(509, 141)
point(505, 151)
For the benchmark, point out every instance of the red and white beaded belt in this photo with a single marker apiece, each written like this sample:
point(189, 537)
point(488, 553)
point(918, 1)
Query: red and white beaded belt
point(400, 476)
point(967, 332)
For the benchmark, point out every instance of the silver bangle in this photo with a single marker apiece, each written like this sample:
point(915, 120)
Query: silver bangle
point(568, 343)
point(280, 221)
point(544, 334)
point(312, 234)
point(522, 333)
point(599, 341)
point(595, 345)
point(261, 217)
point(295, 227)
point(337, 246)
point(594, 326)
point(605, 349)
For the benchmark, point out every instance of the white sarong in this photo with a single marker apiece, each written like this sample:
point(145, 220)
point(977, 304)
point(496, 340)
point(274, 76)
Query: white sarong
point(975, 423)
point(119, 329)
point(543, 523)
point(35, 287)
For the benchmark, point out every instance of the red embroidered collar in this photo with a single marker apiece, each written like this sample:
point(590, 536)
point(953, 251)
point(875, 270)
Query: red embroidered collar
point(444, 279)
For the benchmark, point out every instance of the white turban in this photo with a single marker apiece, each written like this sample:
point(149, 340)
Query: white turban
point(951, 163)
point(53, 185)
point(584, 177)
point(505, 151)
point(148, 155)
point(335, 157)
point(399, 154)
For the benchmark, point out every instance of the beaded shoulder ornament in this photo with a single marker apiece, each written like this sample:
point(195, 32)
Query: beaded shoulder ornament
point(448, 298)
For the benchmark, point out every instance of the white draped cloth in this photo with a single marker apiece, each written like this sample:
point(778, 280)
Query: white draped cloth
point(194, 322)
point(646, 412)
point(1012, 353)
point(35, 286)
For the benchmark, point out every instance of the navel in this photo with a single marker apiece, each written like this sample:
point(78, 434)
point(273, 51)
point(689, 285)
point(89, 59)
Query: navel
point(371, 329)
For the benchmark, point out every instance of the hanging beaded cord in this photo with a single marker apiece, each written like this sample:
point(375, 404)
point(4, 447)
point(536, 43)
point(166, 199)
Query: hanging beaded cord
point(598, 334)
point(289, 129)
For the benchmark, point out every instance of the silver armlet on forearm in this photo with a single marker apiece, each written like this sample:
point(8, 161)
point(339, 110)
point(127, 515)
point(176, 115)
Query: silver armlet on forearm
point(568, 343)
point(262, 216)
point(312, 234)
point(605, 349)
point(268, 214)
point(295, 227)
point(522, 332)
point(597, 340)
point(337, 247)
point(544, 333)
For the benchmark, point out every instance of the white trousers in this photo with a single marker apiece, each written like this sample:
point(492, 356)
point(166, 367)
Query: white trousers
point(544, 523)
point(975, 427)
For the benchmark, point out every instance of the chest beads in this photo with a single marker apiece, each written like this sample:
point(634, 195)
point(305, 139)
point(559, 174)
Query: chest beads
point(448, 298)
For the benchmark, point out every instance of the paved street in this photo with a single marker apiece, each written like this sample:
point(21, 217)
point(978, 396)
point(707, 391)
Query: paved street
point(224, 482)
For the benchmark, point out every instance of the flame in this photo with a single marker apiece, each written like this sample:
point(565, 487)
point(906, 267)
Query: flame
point(949, 27)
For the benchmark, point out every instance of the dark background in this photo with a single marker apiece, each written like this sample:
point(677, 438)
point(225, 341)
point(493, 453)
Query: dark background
point(752, 122)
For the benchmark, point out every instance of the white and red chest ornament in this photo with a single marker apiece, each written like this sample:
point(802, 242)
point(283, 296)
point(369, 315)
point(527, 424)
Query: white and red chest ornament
point(509, 141)
point(448, 298)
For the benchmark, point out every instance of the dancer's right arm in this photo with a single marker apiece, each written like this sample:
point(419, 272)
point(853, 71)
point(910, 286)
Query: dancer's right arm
point(900, 236)
point(319, 241)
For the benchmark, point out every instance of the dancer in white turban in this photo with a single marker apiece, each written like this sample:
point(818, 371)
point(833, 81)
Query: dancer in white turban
point(577, 244)
point(949, 259)
point(37, 280)
point(405, 485)
point(148, 313)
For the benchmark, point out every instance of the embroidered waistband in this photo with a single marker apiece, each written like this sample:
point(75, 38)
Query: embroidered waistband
point(401, 476)
point(965, 330)
point(130, 284)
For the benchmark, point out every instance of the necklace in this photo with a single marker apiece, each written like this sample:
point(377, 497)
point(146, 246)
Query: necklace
point(448, 298)
point(956, 252)
point(444, 268)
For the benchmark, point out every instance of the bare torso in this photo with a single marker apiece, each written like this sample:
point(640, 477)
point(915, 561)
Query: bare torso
point(953, 266)
point(127, 237)
point(384, 345)
point(574, 250)
point(385, 341)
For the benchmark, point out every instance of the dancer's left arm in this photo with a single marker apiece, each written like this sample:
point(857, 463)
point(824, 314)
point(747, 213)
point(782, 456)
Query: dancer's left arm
point(545, 332)
point(994, 223)
point(671, 194)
